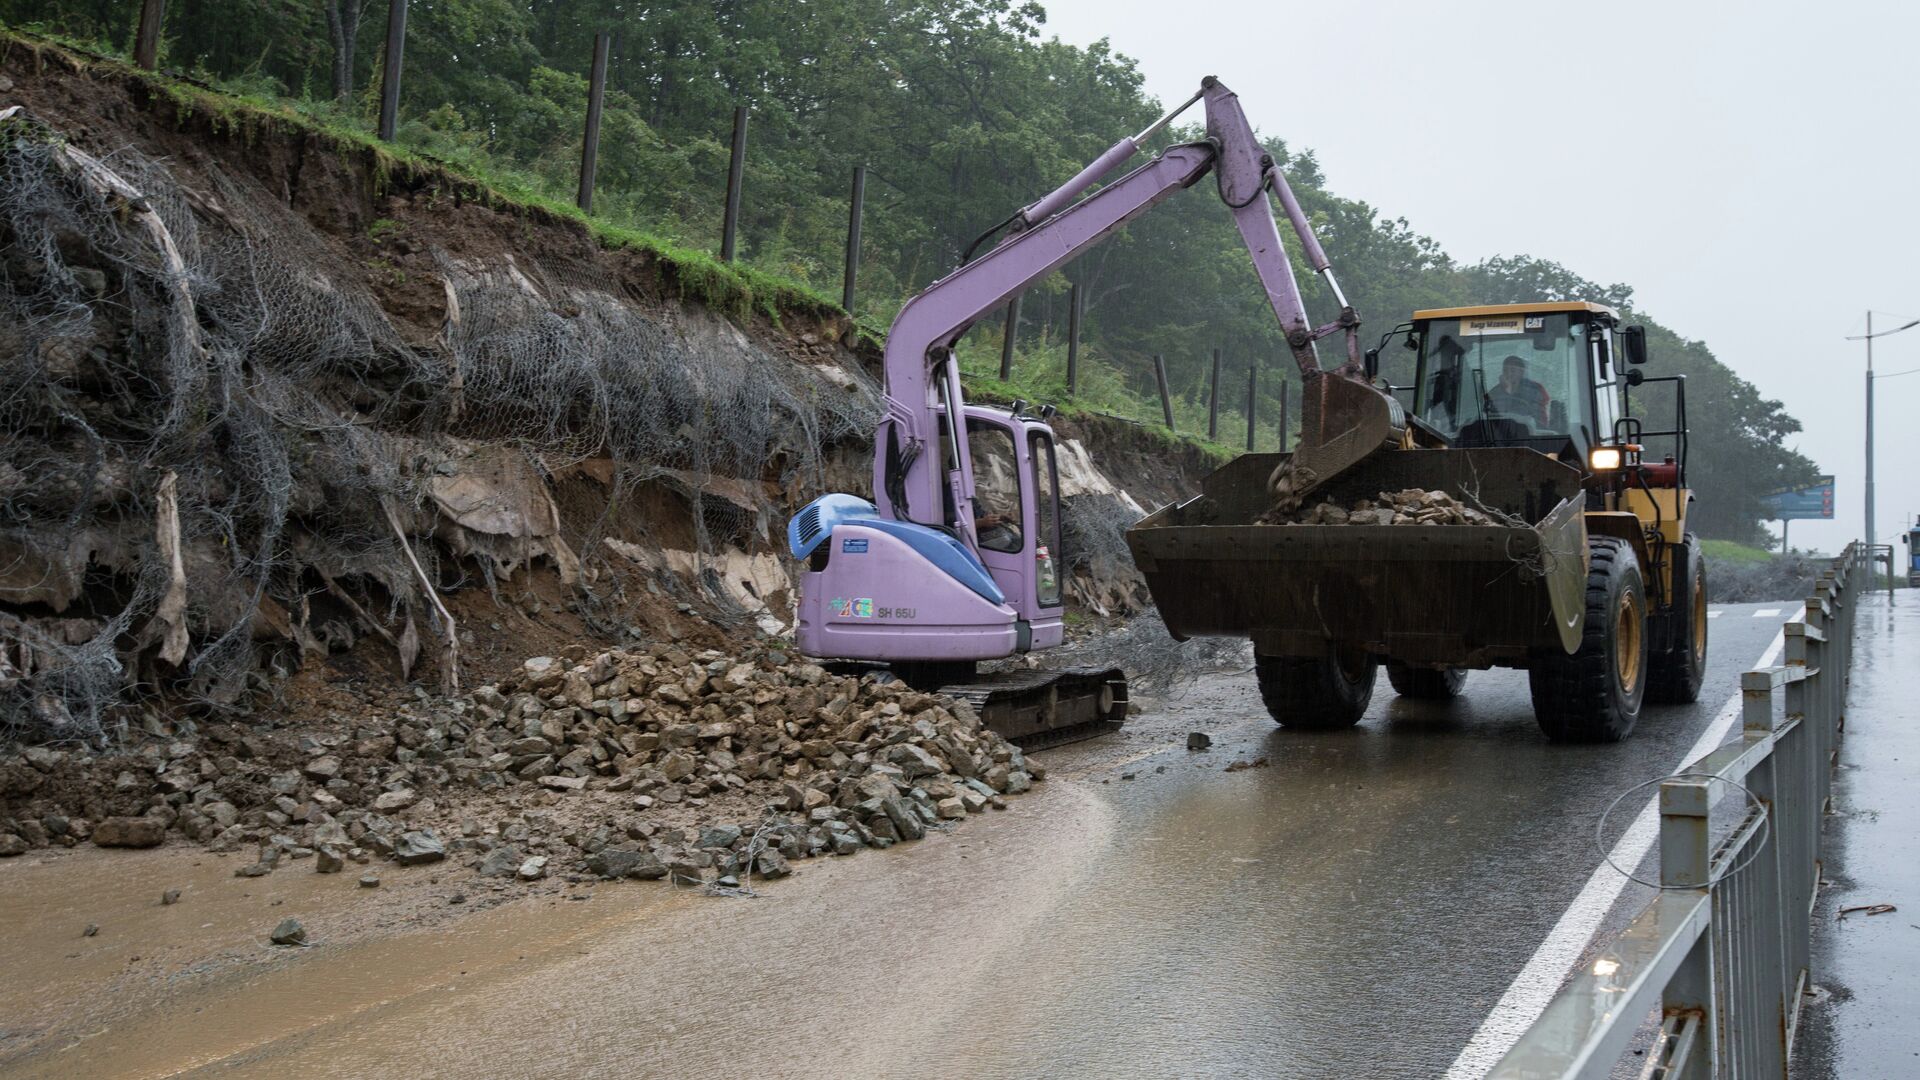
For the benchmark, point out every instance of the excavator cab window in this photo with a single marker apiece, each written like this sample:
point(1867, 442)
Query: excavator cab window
point(1505, 380)
point(996, 487)
point(1047, 552)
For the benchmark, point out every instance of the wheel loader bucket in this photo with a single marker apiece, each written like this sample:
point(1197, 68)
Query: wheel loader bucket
point(1429, 595)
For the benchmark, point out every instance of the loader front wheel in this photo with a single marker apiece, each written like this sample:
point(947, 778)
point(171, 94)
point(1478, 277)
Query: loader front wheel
point(1316, 693)
point(1680, 664)
point(1594, 695)
point(1426, 684)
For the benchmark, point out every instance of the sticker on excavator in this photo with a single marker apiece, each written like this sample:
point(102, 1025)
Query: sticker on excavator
point(853, 547)
point(1493, 325)
point(860, 607)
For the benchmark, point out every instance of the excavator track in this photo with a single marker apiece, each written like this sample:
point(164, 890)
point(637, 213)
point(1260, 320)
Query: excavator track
point(1038, 709)
point(1031, 709)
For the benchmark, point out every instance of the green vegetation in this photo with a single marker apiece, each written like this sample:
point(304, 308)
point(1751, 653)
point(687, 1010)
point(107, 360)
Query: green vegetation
point(1726, 551)
point(962, 110)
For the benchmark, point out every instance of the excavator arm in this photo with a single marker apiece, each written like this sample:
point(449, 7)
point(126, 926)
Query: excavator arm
point(923, 473)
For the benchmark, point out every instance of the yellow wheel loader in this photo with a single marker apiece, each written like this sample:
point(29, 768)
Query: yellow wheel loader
point(1511, 514)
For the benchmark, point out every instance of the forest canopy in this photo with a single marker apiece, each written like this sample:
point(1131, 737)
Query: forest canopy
point(962, 111)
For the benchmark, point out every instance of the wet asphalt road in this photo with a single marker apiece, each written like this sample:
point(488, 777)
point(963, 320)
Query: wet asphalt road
point(1353, 908)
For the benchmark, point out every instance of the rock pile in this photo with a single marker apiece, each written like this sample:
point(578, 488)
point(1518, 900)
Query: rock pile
point(624, 764)
point(1413, 506)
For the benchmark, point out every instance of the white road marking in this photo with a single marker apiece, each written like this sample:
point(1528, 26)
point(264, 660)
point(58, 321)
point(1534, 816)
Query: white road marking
point(1767, 613)
point(1533, 989)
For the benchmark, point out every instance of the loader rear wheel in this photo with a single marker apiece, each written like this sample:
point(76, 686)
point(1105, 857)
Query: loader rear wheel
point(1594, 695)
point(1680, 662)
point(1316, 693)
point(1426, 684)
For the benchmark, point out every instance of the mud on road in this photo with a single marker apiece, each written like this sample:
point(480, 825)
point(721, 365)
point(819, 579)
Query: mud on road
point(1353, 907)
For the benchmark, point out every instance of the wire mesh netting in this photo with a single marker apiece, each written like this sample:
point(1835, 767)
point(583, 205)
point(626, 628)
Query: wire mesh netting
point(209, 427)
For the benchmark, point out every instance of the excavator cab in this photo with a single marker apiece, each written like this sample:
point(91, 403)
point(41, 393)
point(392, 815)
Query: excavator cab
point(1016, 516)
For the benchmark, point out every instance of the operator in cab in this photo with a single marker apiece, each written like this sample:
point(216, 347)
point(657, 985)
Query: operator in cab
point(996, 494)
point(1517, 396)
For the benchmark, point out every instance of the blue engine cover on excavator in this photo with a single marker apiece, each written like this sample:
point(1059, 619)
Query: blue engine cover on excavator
point(815, 521)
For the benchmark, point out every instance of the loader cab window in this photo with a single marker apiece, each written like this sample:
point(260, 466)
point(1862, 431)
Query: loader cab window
point(996, 486)
point(1047, 553)
point(1505, 380)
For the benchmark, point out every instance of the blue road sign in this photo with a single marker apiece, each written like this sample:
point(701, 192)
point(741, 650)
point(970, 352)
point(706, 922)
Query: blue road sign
point(1808, 501)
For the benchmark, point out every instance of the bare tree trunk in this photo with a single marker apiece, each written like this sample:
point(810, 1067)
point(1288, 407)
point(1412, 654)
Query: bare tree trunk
point(343, 27)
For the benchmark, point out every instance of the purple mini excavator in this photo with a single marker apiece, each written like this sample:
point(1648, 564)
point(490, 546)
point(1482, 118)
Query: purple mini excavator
point(958, 558)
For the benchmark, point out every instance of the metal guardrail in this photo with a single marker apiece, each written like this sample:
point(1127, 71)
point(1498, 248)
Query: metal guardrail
point(1722, 951)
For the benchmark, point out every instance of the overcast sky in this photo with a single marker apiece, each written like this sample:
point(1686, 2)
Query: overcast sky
point(1751, 169)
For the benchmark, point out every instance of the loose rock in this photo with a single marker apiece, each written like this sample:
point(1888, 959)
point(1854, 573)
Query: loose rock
point(130, 832)
point(418, 848)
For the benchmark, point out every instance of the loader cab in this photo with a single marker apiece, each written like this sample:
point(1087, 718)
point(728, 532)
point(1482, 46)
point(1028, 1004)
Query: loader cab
point(1016, 514)
point(1544, 376)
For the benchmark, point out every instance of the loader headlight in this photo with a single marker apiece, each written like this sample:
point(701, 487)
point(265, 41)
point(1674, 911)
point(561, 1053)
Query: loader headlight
point(1604, 458)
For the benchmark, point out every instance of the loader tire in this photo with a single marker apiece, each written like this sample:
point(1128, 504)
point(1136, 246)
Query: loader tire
point(1594, 695)
point(1680, 658)
point(1316, 693)
point(1426, 684)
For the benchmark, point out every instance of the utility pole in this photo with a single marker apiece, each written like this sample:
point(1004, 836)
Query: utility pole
point(1868, 535)
point(1868, 337)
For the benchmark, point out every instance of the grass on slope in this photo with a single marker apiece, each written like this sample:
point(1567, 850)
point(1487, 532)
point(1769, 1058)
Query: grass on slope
point(1726, 551)
point(244, 110)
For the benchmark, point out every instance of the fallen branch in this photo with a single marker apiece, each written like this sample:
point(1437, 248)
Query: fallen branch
point(340, 594)
point(1870, 909)
point(450, 675)
point(170, 617)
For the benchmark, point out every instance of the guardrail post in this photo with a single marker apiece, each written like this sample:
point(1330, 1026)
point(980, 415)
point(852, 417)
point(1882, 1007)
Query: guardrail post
point(1685, 862)
point(1684, 849)
point(1775, 871)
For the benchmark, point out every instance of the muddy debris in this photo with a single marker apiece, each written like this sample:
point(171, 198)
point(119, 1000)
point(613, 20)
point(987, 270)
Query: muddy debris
point(1412, 506)
point(655, 762)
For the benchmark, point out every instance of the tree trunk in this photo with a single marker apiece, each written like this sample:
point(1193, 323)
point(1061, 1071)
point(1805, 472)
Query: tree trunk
point(343, 26)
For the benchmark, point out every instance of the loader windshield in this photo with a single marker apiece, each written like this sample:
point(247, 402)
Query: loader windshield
point(1503, 380)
